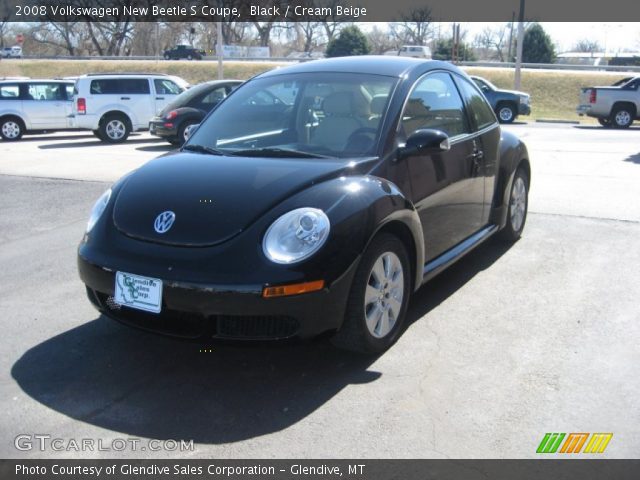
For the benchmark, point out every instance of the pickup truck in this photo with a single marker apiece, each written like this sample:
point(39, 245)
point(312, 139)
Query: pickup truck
point(617, 105)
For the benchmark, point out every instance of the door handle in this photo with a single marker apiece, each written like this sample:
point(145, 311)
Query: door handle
point(159, 98)
point(477, 155)
point(125, 98)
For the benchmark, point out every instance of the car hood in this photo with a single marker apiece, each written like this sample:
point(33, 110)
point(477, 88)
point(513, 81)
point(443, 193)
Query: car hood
point(513, 92)
point(214, 198)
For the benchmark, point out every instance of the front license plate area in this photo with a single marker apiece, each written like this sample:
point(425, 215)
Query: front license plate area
point(141, 293)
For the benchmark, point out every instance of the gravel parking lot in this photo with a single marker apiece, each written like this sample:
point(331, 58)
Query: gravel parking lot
point(507, 345)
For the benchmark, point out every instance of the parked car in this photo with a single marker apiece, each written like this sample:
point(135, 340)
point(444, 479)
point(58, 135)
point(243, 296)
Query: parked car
point(184, 51)
point(415, 51)
point(269, 224)
point(11, 52)
point(507, 104)
point(189, 108)
point(28, 106)
point(113, 105)
point(617, 105)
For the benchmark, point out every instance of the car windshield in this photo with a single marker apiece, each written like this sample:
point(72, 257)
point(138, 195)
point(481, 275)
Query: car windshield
point(306, 115)
point(185, 97)
point(480, 81)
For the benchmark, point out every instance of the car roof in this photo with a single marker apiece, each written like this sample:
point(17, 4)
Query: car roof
point(34, 80)
point(123, 74)
point(371, 64)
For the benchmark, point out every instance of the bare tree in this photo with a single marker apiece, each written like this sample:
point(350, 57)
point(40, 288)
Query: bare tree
point(62, 36)
point(415, 27)
point(381, 41)
point(587, 46)
point(494, 41)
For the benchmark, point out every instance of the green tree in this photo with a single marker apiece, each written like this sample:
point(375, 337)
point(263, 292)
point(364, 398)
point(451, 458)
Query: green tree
point(350, 41)
point(537, 46)
point(443, 48)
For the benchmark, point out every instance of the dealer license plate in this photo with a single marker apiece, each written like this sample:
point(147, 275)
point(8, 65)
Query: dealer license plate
point(134, 291)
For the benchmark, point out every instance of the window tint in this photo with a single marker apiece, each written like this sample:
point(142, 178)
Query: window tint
point(46, 91)
point(167, 87)
point(119, 86)
point(9, 92)
point(479, 109)
point(435, 103)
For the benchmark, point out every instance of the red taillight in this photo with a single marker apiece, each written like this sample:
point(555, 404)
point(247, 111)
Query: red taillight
point(82, 106)
point(593, 94)
point(171, 115)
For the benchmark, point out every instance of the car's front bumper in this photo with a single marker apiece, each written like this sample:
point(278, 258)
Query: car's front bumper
point(236, 312)
point(524, 109)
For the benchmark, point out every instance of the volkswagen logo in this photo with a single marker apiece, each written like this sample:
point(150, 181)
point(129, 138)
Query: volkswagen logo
point(164, 221)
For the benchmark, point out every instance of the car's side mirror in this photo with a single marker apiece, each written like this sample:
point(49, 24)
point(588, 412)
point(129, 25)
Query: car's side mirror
point(423, 142)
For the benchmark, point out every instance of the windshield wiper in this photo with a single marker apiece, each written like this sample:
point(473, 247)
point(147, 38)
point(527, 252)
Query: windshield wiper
point(203, 149)
point(276, 152)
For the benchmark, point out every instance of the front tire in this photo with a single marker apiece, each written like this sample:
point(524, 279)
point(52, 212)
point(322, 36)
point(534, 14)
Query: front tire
point(518, 207)
point(377, 304)
point(11, 129)
point(114, 129)
point(506, 113)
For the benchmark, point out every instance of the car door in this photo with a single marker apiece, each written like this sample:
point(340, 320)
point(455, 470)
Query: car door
point(446, 188)
point(46, 105)
point(136, 94)
point(486, 138)
point(165, 91)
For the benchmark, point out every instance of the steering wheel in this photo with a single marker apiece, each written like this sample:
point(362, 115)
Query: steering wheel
point(359, 141)
point(363, 131)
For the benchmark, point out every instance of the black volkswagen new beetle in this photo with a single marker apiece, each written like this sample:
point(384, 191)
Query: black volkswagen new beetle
point(316, 198)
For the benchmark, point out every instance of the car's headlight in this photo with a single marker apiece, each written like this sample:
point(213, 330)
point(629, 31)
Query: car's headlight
point(98, 209)
point(296, 235)
point(524, 100)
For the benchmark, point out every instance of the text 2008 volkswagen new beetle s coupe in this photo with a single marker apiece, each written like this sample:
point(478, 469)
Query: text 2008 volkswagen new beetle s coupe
point(316, 198)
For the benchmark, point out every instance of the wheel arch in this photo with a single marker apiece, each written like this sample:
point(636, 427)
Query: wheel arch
point(18, 117)
point(632, 107)
point(114, 112)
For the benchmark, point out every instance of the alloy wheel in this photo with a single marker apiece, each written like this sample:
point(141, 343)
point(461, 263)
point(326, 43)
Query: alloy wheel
point(384, 294)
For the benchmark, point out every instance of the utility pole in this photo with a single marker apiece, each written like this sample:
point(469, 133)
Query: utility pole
point(219, 50)
point(516, 82)
point(513, 19)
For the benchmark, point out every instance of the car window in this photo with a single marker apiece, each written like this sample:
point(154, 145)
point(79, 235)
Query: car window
point(46, 91)
point(481, 85)
point(71, 90)
point(214, 97)
point(329, 114)
point(166, 87)
point(129, 86)
point(9, 92)
point(435, 103)
point(480, 111)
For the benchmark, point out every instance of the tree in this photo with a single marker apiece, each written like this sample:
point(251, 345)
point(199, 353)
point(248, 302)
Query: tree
point(415, 27)
point(350, 41)
point(380, 41)
point(587, 46)
point(494, 42)
point(443, 49)
point(537, 46)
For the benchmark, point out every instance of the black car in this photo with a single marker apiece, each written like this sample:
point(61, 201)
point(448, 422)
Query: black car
point(315, 199)
point(184, 51)
point(189, 108)
point(507, 104)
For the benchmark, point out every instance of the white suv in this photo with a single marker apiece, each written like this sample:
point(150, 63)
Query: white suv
point(114, 105)
point(416, 51)
point(28, 105)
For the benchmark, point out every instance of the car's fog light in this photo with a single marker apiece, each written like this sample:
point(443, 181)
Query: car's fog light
point(293, 289)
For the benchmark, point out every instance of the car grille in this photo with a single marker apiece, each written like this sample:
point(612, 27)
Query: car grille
point(196, 326)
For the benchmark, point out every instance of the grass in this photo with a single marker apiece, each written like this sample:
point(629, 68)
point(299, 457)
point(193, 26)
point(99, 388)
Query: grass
point(554, 94)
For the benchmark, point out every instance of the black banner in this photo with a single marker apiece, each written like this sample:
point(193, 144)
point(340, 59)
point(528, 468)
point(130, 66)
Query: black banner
point(313, 10)
point(322, 469)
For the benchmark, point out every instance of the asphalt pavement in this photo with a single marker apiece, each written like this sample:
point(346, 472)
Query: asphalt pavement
point(507, 345)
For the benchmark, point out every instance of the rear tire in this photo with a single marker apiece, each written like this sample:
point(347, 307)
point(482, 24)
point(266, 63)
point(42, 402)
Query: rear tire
point(167, 57)
point(182, 130)
point(518, 207)
point(11, 129)
point(377, 304)
point(97, 134)
point(605, 122)
point(114, 128)
point(622, 116)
